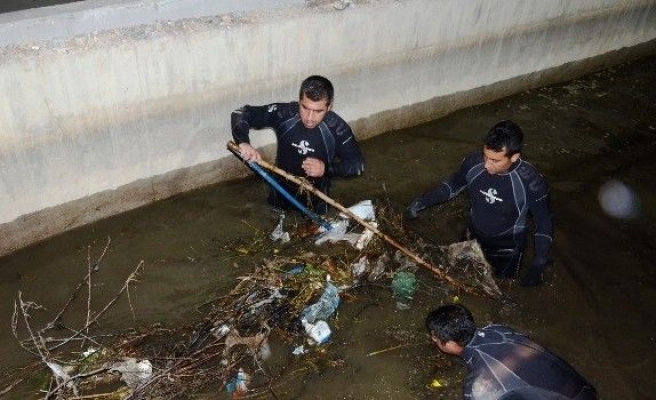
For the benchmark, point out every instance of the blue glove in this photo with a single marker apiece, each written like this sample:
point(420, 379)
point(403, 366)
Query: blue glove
point(413, 209)
point(534, 276)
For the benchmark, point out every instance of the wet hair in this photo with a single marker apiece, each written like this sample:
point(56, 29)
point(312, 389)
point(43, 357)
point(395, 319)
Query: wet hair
point(451, 322)
point(505, 136)
point(317, 88)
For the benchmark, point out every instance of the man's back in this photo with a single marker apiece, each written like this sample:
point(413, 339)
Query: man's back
point(507, 365)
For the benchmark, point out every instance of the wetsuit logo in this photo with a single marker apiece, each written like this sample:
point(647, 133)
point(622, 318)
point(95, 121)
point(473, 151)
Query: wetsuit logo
point(272, 108)
point(303, 147)
point(491, 196)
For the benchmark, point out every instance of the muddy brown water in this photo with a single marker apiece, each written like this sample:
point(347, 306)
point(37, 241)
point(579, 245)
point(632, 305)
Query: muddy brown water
point(596, 309)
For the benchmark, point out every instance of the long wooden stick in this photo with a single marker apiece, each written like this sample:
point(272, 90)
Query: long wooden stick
point(309, 187)
point(375, 353)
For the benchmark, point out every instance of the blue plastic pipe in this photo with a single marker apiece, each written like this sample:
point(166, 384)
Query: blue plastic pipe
point(314, 216)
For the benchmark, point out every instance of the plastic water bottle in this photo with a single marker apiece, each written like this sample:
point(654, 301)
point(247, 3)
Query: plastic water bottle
point(239, 385)
point(324, 307)
point(243, 379)
point(319, 332)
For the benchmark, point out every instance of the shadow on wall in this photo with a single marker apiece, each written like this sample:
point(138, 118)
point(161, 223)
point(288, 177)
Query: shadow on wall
point(18, 5)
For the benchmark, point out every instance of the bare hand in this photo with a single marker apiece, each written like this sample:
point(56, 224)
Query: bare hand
point(248, 152)
point(314, 167)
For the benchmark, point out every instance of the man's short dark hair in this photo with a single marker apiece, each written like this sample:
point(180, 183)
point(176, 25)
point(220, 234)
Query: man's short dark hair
point(451, 322)
point(505, 136)
point(317, 88)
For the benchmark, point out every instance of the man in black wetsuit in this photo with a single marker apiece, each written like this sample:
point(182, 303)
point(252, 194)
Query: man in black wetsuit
point(313, 141)
point(504, 364)
point(503, 190)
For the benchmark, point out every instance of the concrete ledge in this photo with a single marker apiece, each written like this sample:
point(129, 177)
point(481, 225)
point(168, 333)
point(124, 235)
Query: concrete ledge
point(58, 23)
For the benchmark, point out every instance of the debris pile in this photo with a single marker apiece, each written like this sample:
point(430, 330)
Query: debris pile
point(293, 294)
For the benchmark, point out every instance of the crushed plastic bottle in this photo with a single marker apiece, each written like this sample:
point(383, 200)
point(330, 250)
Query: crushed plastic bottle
point(319, 332)
point(278, 232)
point(335, 234)
point(379, 269)
point(324, 307)
point(364, 210)
point(365, 237)
point(358, 268)
point(239, 385)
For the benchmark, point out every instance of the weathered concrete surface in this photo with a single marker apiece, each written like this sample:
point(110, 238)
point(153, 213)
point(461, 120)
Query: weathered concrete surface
point(89, 16)
point(100, 122)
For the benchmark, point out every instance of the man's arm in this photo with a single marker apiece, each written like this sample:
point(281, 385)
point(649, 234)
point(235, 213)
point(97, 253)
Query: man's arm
point(245, 118)
point(349, 159)
point(542, 216)
point(540, 208)
point(447, 190)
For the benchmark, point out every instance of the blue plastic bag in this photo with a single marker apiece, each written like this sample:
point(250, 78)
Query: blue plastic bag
point(324, 307)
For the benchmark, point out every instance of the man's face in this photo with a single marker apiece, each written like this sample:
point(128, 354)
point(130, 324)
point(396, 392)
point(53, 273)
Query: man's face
point(448, 347)
point(497, 162)
point(312, 112)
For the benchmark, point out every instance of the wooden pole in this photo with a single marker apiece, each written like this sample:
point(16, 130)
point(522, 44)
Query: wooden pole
point(309, 187)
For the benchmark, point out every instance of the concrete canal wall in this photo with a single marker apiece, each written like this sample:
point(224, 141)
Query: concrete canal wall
point(109, 105)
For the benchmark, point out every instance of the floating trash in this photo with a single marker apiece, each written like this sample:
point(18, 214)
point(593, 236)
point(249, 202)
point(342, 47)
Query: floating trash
point(364, 210)
point(436, 384)
point(404, 286)
point(239, 384)
point(324, 307)
point(300, 350)
point(278, 232)
point(319, 332)
point(134, 372)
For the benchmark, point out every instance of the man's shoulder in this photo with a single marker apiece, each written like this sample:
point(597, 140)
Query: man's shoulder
point(288, 108)
point(502, 329)
point(336, 124)
point(493, 334)
point(533, 178)
point(271, 112)
point(527, 167)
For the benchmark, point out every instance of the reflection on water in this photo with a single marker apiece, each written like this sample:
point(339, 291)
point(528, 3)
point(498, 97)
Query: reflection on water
point(596, 309)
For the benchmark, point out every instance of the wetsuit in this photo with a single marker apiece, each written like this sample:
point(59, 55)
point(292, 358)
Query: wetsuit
point(331, 141)
point(504, 364)
point(500, 205)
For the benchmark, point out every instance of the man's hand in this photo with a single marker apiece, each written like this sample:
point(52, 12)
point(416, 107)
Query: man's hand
point(412, 210)
point(534, 276)
point(313, 167)
point(248, 152)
